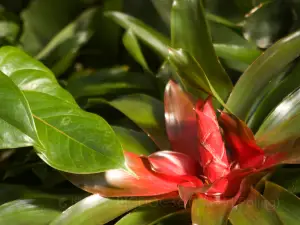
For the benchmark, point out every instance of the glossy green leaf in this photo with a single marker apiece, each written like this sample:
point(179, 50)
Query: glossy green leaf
point(147, 34)
point(189, 32)
point(132, 45)
point(96, 151)
point(110, 82)
point(148, 214)
point(150, 117)
point(285, 203)
point(96, 210)
point(284, 115)
point(259, 74)
point(17, 128)
point(164, 9)
point(255, 210)
point(237, 52)
point(57, 117)
point(60, 52)
point(29, 212)
point(268, 22)
point(40, 24)
point(134, 141)
point(285, 87)
point(211, 212)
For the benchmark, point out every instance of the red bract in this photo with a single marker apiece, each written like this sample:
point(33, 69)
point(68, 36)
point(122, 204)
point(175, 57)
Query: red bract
point(199, 164)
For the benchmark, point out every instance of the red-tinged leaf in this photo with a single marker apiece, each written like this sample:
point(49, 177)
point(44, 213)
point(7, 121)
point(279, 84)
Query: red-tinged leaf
point(211, 146)
point(173, 163)
point(241, 140)
point(115, 183)
point(181, 121)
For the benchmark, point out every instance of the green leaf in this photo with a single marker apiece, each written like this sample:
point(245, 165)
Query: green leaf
point(237, 52)
point(61, 51)
point(189, 70)
point(29, 212)
point(285, 87)
point(134, 141)
point(59, 120)
point(40, 24)
point(182, 217)
point(17, 128)
point(110, 82)
point(148, 214)
point(132, 45)
point(150, 117)
point(211, 212)
point(189, 31)
point(268, 22)
point(96, 151)
point(96, 210)
point(259, 74)
point(254, 210)
point(148, 35)
point(285, 203)
point(284, 117)
point(164, 9)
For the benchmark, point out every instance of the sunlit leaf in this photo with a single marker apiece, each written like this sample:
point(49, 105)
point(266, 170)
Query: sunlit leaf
point(259, 74)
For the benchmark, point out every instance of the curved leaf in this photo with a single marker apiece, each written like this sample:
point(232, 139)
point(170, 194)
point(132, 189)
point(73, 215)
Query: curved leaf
point(133, 141)
point(147, 113)
point(189, 31)
point(132, 45)
point(148, 214)
point(30, 211)
point(285, 112)
point(258, 75)
point(254, 210)
point(95, 210)
point(285, 203)
point(17, 127)
point(59, 120)
point(107, 82)
point(151, 37)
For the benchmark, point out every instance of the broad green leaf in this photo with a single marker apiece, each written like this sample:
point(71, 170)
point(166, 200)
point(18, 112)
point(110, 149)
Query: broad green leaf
point(59, 120)
point(96, 210)
point(268, 22)
point(30, 211)
point(134, 141)
point(66, 44)
point(189, 32)
point(17, 127)
point(110, 82)
point(285, 87)
point(148, 35)
point(132, 45)
point(254, 210)
point(29, 74)
point(147, 113)
point(283, 117)
point(288, 178)
point(285, 203)
point(96, 151)
point(148, 214)
point(211, 212)
point(40, 24)
point(259, 74)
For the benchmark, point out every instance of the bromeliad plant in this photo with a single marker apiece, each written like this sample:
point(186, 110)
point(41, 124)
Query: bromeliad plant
point(218, 146)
